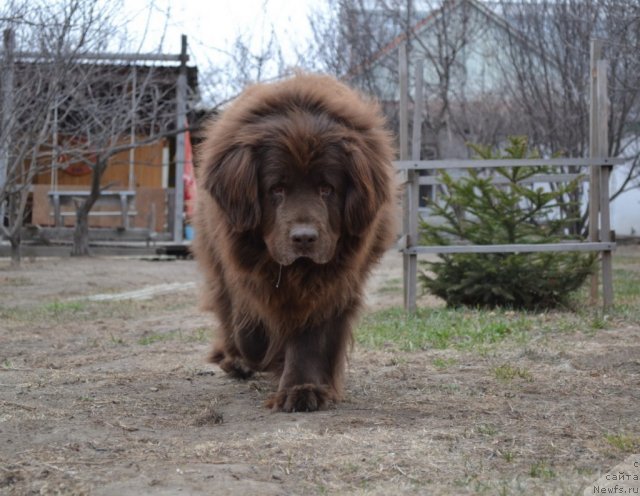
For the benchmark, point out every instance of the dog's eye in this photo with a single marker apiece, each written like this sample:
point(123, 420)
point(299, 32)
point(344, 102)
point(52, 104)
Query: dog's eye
point(277, 190)
point(325, 190)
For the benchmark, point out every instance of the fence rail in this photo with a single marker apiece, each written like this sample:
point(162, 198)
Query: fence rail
point(409, 240)
point(506, 162)
point(521, 248)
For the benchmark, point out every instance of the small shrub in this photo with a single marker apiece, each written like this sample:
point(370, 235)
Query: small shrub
point(474, 210)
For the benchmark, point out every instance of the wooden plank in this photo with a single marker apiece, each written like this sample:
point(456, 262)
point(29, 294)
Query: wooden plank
point(102, 213)
point(539, 178)
point(418, 105)
point(131, 57)
point(403, 242)
point(151, 202)
point(594, 150)
point(404, 102)
point(402, 177)
point(605, 236)
point(124, 199)
point(181, 121)
point(603, 146)
point(403, 71)
point(518, 248)
point(413, 192)
point(522, 162)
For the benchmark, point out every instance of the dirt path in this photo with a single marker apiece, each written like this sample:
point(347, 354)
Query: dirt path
point(113, 397)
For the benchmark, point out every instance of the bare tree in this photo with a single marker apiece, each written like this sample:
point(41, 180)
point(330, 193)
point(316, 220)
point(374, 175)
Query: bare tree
point(31, 86)
point(357, 40)
point(109, 105)
point(251, 57)
point(61, 102)
point(548, 76)
point(534, 77)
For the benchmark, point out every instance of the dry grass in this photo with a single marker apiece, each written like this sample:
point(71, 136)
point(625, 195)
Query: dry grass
point(115, 398)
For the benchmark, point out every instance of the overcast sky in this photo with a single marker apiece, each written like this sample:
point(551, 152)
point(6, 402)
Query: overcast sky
point(213, 25)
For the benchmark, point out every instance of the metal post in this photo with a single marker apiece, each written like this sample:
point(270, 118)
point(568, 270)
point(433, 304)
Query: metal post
point(181, 117)
point(594, 150)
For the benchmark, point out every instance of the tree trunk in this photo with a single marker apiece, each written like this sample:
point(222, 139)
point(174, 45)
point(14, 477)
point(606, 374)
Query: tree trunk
point(81, 233)
point(14, 213)
point(15, 249)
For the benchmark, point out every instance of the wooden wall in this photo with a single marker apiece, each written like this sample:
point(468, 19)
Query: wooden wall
point(148, 187)
point(42, 214)
point(147, 170)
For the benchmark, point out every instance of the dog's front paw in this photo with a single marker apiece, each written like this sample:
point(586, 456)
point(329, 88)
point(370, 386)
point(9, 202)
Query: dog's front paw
point(301, 398)
point(233, 366)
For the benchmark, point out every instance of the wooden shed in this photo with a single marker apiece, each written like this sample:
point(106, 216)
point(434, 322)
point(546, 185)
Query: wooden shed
point(138, 182)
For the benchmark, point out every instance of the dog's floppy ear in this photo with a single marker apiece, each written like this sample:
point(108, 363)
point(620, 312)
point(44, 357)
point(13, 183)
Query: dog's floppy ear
point(367, 190)
point(232, 180)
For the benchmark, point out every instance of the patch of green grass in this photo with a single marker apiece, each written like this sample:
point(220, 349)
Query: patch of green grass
point(58, 308)
point(487, 430)
point(464, 328)
point(542, 470)
point(507, 372)
point(626, 283)
point(391, 286)
point(439, 328)
point(158, 337)
point(451, 387)
point(585, 471)
point(117, 341)
point(626, 300)
point(623, 442)
point(198, 335)
point(85, 310)
point(508, 456)
point(443, 363)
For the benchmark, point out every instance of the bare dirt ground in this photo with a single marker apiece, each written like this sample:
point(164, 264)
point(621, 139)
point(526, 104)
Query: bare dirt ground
point(114, 397)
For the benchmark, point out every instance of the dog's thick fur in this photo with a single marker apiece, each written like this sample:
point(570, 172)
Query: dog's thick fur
point(296, 203)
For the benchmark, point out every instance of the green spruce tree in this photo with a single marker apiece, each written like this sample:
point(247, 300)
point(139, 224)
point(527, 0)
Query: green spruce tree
point(475, 210)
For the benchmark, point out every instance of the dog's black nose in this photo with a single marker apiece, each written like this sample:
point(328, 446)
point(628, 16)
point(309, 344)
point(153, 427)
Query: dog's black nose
point(303, 236)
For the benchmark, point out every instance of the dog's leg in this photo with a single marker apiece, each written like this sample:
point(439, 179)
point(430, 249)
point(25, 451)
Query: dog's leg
point(314, 364)
point(241, 352)
point(252, 343)
point(225, 354)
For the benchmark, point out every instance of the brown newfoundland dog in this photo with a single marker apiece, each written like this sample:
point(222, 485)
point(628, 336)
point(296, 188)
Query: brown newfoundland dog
point(295, 206)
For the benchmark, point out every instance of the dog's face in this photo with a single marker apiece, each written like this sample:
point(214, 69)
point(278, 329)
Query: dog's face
point(301, 180)
point(302, 204)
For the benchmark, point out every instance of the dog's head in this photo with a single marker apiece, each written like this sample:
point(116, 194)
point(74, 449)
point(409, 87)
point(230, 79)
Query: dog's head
point(300, 176)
